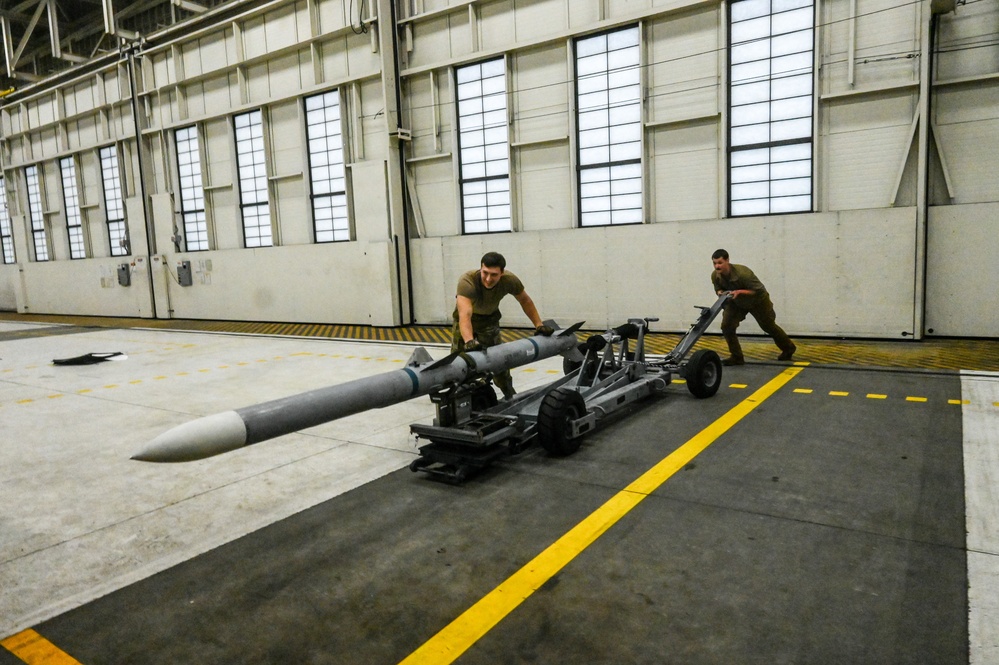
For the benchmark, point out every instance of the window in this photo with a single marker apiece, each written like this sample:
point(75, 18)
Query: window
point(35, 216)
point(6, 234)
point(484, 160)
point(71, 199)
point(771, 62)
point(326, 169)
point(609, 128)
point(114, 207)
point(253, 199)
point(192, 193)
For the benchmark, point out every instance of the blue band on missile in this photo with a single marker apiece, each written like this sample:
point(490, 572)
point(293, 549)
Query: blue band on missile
point(415, 379)
point(537, 349)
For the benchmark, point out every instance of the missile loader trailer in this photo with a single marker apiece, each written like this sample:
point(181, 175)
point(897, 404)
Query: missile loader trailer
point(472, 429)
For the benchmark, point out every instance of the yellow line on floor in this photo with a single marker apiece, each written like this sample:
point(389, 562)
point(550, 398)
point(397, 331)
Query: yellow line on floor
point(34, 649)
point(458, 636)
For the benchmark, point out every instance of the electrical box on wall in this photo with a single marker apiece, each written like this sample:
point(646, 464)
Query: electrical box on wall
point(124, 275)
point(184, 273)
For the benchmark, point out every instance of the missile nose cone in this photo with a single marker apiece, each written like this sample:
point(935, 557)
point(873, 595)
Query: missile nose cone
point(204, 437)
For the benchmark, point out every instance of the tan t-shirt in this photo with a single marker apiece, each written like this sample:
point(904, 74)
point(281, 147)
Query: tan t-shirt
point(486, 301)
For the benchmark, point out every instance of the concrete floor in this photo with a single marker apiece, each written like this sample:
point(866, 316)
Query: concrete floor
point(851, 516)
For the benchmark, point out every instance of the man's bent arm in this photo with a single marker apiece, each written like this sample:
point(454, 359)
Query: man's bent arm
point(529, 308)
point(464, 305)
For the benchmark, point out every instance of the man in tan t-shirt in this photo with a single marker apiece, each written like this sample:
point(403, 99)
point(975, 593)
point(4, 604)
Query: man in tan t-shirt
point(477, 315)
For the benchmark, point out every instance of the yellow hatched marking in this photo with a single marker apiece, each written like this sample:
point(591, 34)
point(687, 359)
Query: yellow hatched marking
point(838, 393)
point(34, 649)
point(915, 399)
point(876, 396)
point(458, 636)
point(803, 391)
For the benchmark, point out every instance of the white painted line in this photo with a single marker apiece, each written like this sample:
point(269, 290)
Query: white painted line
point(980, 421)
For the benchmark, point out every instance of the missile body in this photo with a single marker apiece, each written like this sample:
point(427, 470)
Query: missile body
point(222, 432)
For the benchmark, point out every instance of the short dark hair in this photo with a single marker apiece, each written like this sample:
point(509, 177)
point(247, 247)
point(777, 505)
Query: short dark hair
point(494, 260)
point(720, 254)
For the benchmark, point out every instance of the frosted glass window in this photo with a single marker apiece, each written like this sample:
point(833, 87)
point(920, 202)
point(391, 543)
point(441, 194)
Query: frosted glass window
point(114, 206)
point(36, 218)
point(609, 128)
point(771, 52)
point(192, 192)
point(6, 233)
point(326, 167)
point(483, 147)
point(71, 199)
point(254, 203)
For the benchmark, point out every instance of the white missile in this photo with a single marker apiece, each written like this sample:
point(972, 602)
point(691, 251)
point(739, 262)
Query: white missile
point(222, 432)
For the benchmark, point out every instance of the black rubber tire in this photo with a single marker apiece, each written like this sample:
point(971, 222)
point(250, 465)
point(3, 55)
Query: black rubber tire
point(558, 409)
point(703, 373)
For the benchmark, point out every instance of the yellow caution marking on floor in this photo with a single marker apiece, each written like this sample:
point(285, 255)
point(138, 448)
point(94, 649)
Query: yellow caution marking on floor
point(34, 649)
point(915, 399)
point(876, 396)
point(738, 386)
point(804, 391)
point(458, 636)
point(838, 393)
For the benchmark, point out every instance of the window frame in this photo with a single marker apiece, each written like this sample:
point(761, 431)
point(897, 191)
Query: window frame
point(194, 220)
point(71, 203)
point(113, 186)
point(243, 194)
point(787, 146)
point(340, 227)
point(36, 213)
point(636, 165)
point(8, 253)
point(492, 184)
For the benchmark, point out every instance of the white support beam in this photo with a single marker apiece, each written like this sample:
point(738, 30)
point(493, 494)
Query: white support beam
point(189, 6)
point(54, 29)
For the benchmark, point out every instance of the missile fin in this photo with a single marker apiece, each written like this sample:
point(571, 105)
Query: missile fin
point(570, 330)
point(419, 357)
point(446, 360)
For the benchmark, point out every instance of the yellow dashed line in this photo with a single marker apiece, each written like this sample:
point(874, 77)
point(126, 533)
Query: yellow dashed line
point(84, 391)
point(223, 367)
point(529, 370)
point(737, 385)
point(55, 396)
point(876, 396)
point(159, 378)
point(25, 401)
point(136, 381)
point(915, 399)
point(110, 386)
point(804, 391)
point(553, 371)
point(958, 401)
point(838, 393)
point(678, 381)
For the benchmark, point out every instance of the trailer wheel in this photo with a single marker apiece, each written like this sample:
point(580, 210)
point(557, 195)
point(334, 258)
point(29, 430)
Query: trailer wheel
point(703, 373)
point(559, 408)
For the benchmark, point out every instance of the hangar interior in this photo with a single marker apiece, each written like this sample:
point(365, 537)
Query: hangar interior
point(176, 170)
